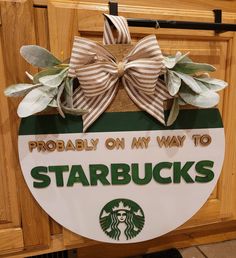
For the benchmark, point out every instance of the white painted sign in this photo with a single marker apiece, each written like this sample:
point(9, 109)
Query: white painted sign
point(122, 186)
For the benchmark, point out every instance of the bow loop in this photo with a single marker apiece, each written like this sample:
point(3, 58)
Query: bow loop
point(85, 51)
point(147, 47)
point(143, 74)
point(97, 78)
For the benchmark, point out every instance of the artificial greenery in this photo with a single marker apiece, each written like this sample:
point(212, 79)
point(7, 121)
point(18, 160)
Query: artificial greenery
point(47, 86)
point(188, 82)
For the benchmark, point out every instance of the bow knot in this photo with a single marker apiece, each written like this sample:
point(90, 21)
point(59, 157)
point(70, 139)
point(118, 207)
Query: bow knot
point(121, 69)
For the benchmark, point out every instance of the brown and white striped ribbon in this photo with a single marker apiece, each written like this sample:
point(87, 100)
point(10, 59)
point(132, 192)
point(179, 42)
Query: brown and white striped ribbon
point(99, 73)
point(122, 30)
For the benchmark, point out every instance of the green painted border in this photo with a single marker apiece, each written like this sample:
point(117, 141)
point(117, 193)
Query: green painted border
point(119, 121)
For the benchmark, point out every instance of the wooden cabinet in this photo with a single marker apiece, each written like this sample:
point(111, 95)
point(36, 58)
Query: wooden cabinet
point(10, 229)
point(25, 229)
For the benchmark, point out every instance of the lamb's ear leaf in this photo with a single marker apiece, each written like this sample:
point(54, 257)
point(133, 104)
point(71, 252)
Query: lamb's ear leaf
point(202, 85)
point(54, 80)
point(49, 71)
point(36, 101)
point(38, 56)
point(192, 68)
point(169, 61)
point(184, 58)
point(212, 83)
point(19, 90)
point(173, 112)
point(206, 99)
point(59, 94)
point(189, 81)
point(69, 92)
point(173, 83)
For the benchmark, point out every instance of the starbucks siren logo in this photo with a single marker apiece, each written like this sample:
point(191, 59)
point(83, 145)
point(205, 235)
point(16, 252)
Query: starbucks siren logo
point(122, 219)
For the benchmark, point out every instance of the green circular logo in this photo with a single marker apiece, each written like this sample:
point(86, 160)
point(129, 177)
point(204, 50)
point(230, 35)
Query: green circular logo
point(122, 219)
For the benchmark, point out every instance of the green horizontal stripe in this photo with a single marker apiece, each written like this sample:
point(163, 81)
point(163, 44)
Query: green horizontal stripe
point(119, 121)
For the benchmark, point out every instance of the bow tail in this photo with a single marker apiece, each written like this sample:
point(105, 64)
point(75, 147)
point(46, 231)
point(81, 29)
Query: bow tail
point(152, 104)
point(95, 105)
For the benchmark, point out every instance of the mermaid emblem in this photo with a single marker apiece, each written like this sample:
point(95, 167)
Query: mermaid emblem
point(122, 219)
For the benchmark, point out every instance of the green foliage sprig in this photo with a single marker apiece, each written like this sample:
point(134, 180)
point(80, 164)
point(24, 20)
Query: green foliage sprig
point(189, 83)
point(47, 86)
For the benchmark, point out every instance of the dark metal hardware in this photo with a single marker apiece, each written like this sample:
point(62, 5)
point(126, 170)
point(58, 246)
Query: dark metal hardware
point(181, 25)
point(113, 7)
point(218, 18)
point(216, 26)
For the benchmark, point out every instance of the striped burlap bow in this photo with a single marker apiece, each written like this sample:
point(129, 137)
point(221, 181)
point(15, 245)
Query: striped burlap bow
point(99, 73)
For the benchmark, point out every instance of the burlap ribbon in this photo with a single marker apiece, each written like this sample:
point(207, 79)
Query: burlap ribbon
point(99, 73)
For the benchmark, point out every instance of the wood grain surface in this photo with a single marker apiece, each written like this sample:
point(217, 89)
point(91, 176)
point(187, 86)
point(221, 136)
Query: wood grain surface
point(25, 229)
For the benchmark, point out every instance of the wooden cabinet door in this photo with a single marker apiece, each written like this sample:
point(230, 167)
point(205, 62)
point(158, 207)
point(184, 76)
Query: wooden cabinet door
point(11, 236)
point(23, 224)
point(86, 19)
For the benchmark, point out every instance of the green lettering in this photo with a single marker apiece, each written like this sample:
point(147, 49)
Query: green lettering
point(147, 174)
point(77, 175)
point(202, 168)
point(38, 173)
point(58, 170)
point(157, 172)
point(120, 174)
point(182, 172)
point(98, 172)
